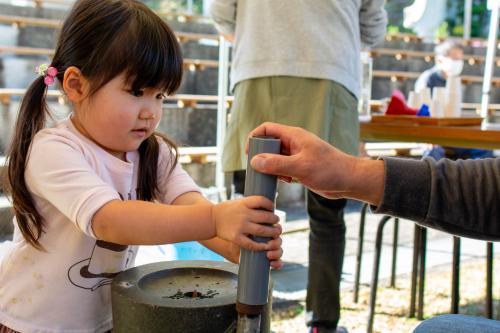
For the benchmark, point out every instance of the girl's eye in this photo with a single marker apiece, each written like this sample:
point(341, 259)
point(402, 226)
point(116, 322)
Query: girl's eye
point(161, 96)
point(137, 93)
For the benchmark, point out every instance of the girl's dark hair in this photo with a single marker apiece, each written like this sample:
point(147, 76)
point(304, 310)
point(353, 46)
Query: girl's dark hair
point(103, 38)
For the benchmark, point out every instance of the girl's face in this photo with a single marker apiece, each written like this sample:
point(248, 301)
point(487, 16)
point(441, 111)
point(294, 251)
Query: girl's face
point(117, 118)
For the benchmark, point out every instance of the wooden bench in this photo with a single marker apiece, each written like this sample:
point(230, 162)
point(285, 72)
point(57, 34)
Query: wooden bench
point(407, 37)
point(427, 56)
point(401, 76)
point(190, 64)
point(22, 21)
point(182, 100)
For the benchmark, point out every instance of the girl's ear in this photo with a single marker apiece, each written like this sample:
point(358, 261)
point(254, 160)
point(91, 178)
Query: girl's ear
point(75, 85)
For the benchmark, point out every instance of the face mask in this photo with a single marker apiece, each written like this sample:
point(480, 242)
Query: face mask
point(451, 67)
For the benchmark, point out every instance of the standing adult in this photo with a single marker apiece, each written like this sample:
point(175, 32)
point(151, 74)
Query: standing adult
point(297, 62)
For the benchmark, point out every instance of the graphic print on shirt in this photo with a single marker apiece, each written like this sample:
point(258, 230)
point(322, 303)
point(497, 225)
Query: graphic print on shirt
point(105, 262)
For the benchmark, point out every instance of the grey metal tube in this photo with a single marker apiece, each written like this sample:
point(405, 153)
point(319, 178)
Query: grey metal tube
point(253, 275)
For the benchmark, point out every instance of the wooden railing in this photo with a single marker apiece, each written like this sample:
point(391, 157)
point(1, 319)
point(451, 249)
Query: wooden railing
point(191, 64)
point(23, 50)
point(187, 100)
point(30, 21)
point(40, 3)
point(22, 21)
point(182, 100)
point(473, 42)
point(398, 54)
point(400, 76)
point(427, 56)
point(186, 155)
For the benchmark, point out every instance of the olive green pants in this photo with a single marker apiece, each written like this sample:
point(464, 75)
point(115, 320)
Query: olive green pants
point(323, 107)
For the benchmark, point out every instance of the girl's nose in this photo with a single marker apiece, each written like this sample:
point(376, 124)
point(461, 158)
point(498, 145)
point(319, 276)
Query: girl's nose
point(147, 114)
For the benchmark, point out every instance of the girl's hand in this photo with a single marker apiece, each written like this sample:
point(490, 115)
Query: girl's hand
point(231, 251)
point(235, 220)
point(275, 252)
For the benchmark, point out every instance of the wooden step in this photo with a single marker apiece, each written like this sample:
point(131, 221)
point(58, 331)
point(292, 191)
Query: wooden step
point(402, 75)
point(427, 56)
point(22, 21)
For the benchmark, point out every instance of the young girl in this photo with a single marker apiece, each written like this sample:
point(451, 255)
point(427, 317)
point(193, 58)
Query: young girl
point(102, 179)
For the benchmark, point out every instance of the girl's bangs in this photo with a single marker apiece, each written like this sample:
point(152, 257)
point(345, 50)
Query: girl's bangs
point(145, 50)
point(154, 58)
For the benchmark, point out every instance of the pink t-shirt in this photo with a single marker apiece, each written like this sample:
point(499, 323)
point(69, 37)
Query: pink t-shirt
point(66, 288)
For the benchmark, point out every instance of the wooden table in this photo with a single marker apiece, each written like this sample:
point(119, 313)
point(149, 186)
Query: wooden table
point(453, 136)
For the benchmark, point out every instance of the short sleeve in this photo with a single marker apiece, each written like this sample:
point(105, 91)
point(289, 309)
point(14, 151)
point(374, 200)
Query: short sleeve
point(58, 172)
point(174, 183)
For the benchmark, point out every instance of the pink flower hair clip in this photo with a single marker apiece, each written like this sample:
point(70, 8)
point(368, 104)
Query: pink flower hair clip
point(48, 72)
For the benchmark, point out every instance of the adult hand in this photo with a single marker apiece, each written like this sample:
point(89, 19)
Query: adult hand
point(319, 166)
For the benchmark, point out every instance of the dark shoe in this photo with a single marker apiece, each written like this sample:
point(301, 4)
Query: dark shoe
point(320, 329)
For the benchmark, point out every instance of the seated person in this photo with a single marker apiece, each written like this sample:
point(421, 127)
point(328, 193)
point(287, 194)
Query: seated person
point(449, 62)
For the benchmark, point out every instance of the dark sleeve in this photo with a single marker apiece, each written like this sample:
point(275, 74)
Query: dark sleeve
point(459, 197)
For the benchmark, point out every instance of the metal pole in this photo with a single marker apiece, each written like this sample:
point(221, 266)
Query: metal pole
point(467, 18)
point(221, 113)
point(490, 57)
point(253, 274)
point(376, 268)
point(421, 279)
point(206, 7)
point(489, 280)
point(455, 278)
point(394, 252)
point(359, 254)
point(414, 272)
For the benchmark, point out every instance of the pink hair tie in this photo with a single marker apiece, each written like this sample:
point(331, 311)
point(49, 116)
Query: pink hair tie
point(49, 73)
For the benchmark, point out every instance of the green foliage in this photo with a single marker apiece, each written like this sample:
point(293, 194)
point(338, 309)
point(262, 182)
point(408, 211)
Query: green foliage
point(394, 29)
point(454, 21)
point(480, 19)
point(442, 31)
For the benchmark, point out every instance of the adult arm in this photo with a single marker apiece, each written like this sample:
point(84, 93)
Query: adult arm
point(460, 197)
point(223, 13)
point(372, 21)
